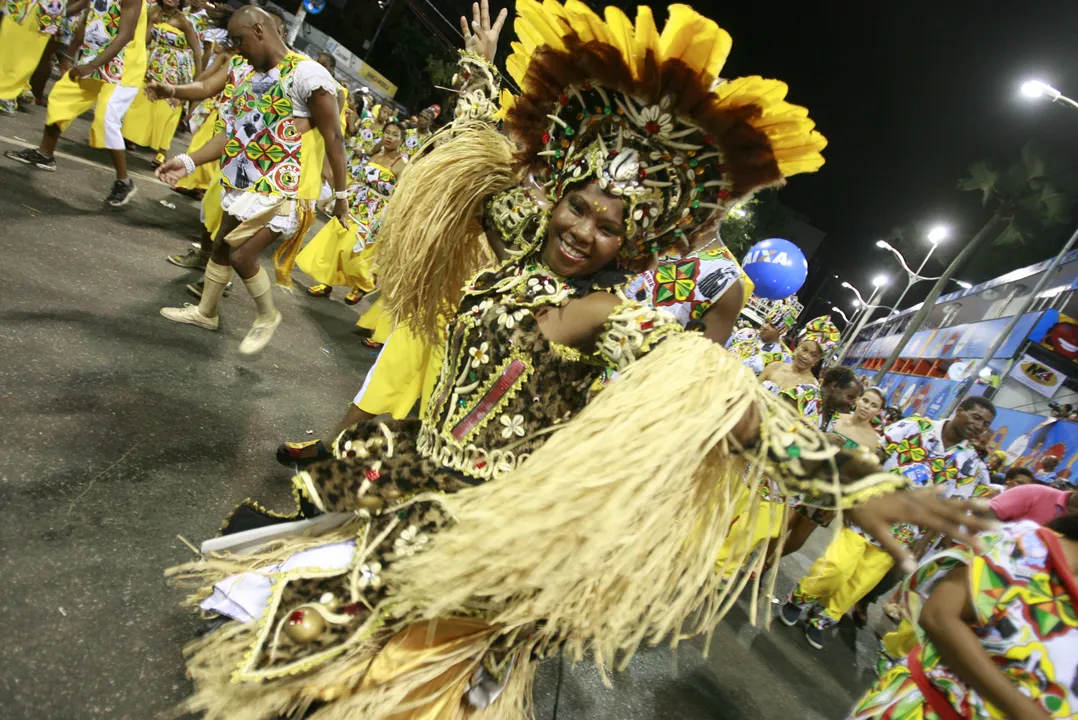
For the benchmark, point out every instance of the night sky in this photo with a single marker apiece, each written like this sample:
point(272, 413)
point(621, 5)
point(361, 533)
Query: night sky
point(909, 95)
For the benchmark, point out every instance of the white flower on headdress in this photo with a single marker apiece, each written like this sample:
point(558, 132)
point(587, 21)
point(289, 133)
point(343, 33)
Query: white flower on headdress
point(512, 426)
point(480, 355)
point(508, 318)
point(370, 576)
point(541, 284)
point(410, 542)
point(657, 120)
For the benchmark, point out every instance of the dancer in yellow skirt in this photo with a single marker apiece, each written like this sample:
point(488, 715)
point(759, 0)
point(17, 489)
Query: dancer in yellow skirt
point(345, 256)
point(175, 55)
point(109, 69)
point(24, 35)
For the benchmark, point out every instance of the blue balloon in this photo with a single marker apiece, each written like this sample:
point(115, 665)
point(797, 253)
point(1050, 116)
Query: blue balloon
point(314, 6)
point(777, 267)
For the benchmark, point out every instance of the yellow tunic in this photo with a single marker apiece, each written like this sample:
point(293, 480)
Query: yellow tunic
point(24, 33)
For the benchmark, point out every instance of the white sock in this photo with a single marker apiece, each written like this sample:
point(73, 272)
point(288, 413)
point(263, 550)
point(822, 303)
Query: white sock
point(215, 279)
point(261, 292)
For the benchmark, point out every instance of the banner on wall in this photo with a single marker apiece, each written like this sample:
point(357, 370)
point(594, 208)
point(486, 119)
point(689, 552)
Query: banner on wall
point(970, 341)
point(1062, 338)
point(1036, 376)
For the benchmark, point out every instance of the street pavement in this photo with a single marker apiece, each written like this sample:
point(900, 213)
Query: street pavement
point(121, 432)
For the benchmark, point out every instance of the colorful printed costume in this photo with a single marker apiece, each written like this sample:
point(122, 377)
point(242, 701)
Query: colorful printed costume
point(24, 33)
point(153, 123)
point(1025, 600)
point(854, 562)
point(348, 618)
point(687, 287)
point(109, 89)
point(755, 353)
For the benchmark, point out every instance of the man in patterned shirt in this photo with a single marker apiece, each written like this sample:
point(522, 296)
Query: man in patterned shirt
point(929, 453)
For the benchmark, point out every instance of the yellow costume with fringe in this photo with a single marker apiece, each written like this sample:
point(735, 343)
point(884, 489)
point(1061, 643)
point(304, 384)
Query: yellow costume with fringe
point(511, 521)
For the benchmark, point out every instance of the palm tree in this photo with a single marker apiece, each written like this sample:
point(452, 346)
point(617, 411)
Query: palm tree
point(1025, 201)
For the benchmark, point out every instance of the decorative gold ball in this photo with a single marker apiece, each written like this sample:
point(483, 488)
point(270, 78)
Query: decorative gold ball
point(303, 626)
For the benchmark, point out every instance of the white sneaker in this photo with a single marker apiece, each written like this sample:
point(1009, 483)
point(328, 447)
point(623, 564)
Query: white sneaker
point(259, 335)
point(189, 314)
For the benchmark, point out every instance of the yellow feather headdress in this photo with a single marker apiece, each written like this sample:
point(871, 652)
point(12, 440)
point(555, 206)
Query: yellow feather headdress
point(645, 114)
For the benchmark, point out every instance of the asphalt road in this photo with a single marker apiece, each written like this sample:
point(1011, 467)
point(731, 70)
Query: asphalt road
point(121, 431)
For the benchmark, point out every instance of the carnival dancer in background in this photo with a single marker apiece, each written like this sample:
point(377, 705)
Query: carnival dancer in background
point(284, 97)
point(781, 374)
point(61, 48)
point(759, 348)
point(930, 453)
point(109, 68)
point(30, 34)
point(341, 255)
point(995, 631)
point(175, 58)
point(418, 135)
point(407, 607)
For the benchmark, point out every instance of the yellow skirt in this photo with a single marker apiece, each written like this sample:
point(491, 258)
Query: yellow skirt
point(406, 370)
point(200, 179)
point(328, 258)
point(21, 46)
point(151, 124)
point(212, 212)
point(377, 320)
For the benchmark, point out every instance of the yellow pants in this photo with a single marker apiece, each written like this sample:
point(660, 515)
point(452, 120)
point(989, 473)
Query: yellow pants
point(70, 98)
point(377, 320)
point(749, 531)
point(21, 46)
point(151, 124)
point(203, 174)
point(405, 371)
point(847, 571)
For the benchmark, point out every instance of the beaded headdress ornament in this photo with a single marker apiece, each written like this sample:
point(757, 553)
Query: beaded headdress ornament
point(646, 115)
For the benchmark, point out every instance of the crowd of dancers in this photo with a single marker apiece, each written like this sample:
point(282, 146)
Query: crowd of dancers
point(602, 458)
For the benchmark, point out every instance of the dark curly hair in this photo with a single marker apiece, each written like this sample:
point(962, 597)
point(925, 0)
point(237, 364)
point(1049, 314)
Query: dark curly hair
point(843, 376)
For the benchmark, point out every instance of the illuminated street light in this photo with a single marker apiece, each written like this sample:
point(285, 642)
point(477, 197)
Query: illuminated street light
point(1038, 89)
point(938, 234)
point(879, 280)
point(963, 284)
point(837, 309)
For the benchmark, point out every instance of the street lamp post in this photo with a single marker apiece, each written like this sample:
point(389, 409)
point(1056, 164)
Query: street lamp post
point(837, 309)
point(935, 236)
point(1037, 89)
point(878, 282)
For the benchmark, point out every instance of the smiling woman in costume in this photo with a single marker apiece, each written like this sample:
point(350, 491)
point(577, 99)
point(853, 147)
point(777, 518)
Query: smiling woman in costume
point(479, 538)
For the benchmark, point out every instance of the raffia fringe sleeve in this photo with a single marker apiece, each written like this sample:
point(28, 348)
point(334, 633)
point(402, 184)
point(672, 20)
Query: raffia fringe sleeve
point(607, 537)
point(478, 88)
